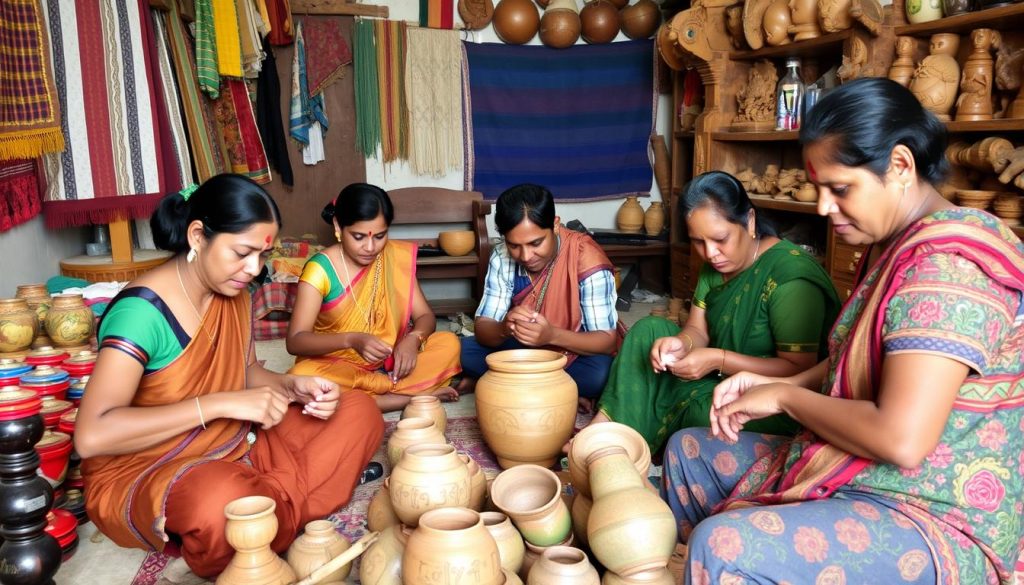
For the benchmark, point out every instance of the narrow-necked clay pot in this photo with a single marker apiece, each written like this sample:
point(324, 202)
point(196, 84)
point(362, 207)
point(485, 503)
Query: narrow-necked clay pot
point(412, 431)
point(477, 482)
point(427, 478)
point(380, 514)
point(318, 543)
point(563, 565)
point(655, 577)
point(451, 545)
point(510, 543)
point(427, 407)
point(630, 217)
point(534, 552)
point(250, 529)
point(532, 497)
point(602, 435)
point(381, 564)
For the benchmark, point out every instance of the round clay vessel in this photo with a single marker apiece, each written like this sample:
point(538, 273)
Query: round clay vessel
point(427, 478)
point(533, 553)
point(381, 564)
point(532, 497)
point(250, 529)
point(18, 325)
point(654, 218)
point(563, 565)
point(655, 577)
point(630, 529)
point(515, 21)
point(511, 578)
point(580, 512)
point(38, 299)
point(318, 543)
point(630, 217)
point(412, 431)
point(598, 436)
point(69, 323)
point(640, 20)
point(510, 543)
point(526, 405)
point(807, 193)
point(427, 407)
point(599, 21)
point(451, 546)
point(477, 482)
point(457, 243)
point(560, 25)
point(380, 514)
point(919, 11)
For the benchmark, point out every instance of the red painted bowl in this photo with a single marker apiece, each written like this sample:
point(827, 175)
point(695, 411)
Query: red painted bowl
point(46, 356)
point(80, 364)
point(63, 526)
point(54, 450)
point(52, 410)
point(17, 403)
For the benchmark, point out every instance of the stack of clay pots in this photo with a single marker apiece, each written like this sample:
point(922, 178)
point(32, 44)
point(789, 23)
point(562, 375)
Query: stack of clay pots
point(39, 300)
point(1007, 206)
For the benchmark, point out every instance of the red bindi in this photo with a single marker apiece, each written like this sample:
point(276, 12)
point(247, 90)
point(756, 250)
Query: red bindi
point(371, 234)
point(267, 240)
point(811, 172)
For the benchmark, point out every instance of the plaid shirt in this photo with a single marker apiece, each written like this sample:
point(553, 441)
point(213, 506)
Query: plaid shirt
point(597, 292)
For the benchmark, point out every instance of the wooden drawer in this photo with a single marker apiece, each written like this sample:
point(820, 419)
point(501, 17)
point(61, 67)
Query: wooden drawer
point(844, 260)
point(844, 287)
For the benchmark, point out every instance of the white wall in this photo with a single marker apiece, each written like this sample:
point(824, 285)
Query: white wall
point(31, 253)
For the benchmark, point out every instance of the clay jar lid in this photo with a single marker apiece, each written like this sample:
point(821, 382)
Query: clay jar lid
point(11, 371)
point(53, 442)
point(80, 365)
point(46, 356)
point(66, 424)
point(52, 410)
point(78, 388)
point(16, 403)
point(45, 375)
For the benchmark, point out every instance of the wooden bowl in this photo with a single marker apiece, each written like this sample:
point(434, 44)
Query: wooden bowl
point(457, 243)
point(975, 198)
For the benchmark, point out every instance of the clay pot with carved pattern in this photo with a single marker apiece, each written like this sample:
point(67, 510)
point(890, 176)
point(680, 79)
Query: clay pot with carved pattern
point(428, 477)
point(412, 431)
point(69, 323)
point(317, 544)
point(451, 545)
point(18, 325)
point(427, 407)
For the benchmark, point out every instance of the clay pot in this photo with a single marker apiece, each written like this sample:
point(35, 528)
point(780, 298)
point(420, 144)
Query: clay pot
point(526, 405)
point(598, 436)
point(380, 514)
point(919, 11)
point(975, 198)
point(807, 193)
point(600, 22)
point(427, 478)
point(515, 21)
point(510, 543)
point(654, 218)
point(630, 217)
point(48, 381)
point(511, 578)
point(427, 407)
point(69, 322)
point(640, 20)
point(532, 497)
point(37, 297)
point(318, 543)
point(776, 23)
point(457, 243)
point(381, 564)
point(477, 482)
point(52, 412)
point(580, 512)
point(630, 529)
point(533, 554)
point(18, 325)
point(563, 565)
point(560, 25)
point(655, 577)
point(453, 543)
point(412, 431)
point(250, 529)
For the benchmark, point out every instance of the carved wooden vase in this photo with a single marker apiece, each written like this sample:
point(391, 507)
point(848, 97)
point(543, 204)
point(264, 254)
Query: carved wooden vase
point(18, 325)
point(69, 323)
point(250, 529)
point(318, 543)
point(563, 565)
point(427, 407)
point(427, 478)
point(412, 431)
point(630, 217)
point(453, 543)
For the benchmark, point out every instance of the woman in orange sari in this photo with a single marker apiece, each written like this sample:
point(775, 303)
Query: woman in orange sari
point(360, 318)
point(179, 418)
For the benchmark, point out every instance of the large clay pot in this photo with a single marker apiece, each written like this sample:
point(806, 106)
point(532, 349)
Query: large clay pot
point(532, 497)
point(18, 325)
point(580, 512)
point(380, 514)
point(318, 543)
point(69, 322)
point(640, 20)
point(381, 564)
point(630, 217)
point(630, 530)
point(38, 299)
point(533, 554)
point(515, 21)
point(510, 543)
point(427, 478)
point(655, 577)
point(600, 22)
point(250, 529)
point(451, 546)
point(412, 431)
point(477, 482)
point(654, 218)
point(427, 407)
point(563, 565)
point(598, 436)
point(560, 25)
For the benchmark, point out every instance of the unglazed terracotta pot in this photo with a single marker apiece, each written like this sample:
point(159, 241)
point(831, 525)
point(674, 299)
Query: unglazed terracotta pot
point(563, 565)
point(533, 553)
point(655, 577)
point(427, 478)
point(630, 217)
point(427, 407)
point(412, 431)
point(532, 497)
point(598, 436)
point(515, 21)
point(38, 299)
point(511, 578)
point(477, 482)
point(451, 546)
point(580, 512)
point(526, 405)
point(381, 564)
point(510, 543)
point(630, 529)
point(640, 20)
point(69, 323)
point(318, 543)
point(380, 514)
point(654, 218)
point(18, 325)
point(250, 529)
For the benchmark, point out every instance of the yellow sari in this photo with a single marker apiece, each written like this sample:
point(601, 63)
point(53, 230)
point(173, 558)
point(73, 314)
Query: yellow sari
point(378, 302)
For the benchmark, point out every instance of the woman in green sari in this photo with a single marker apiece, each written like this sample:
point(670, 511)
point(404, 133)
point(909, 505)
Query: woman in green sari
point(761, 305)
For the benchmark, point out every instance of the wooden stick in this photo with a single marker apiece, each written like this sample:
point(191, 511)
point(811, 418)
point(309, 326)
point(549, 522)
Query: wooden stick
point(338, 7)
point(341, 560)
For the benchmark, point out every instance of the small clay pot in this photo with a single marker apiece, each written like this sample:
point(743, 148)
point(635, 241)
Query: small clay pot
point(515, 21)
point(630, 217)
point(412, 431)
point(563, 565)
point(600, 22)
point(428, 477)
point(807, 193)
point(317, 544)
point(457, 243)
point(640, 20)
point(451, 541)
point(510, 543)
point(598, 436)
point(477, 482)
point(381, 564)
point(654, 218)
point(427, 407)
point(69, 323)
point(250, 528)
point(380, 514)
point(532, 497)
point(533, 554)
point(18, 325)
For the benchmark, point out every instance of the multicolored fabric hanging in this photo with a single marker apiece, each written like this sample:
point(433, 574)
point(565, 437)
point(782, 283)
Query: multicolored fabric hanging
point(433, 78)
point(327, 52)
point(437, 14)
point(367, 89)
point(19, 192)
point(394, 115)
point(169, 95)
point(229, 45)
point(206, 49)
point(307, 120)
point(238, 130)
point(282, 28)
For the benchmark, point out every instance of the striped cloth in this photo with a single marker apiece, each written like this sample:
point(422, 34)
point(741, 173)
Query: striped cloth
point(394, 114)
point(229, 43)
point(575, 120)
point(238, 130)
point(169, 95)
point(118, 160)
point(249, 24)
point(30, 123)
point(306, 111)
point(437, 14)
point(206, 49)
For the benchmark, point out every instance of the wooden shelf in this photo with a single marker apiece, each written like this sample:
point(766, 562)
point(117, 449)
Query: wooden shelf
point(809, 48)
point(768, 136)
point(690, 133)
point(1003, 18)
point(1004, 125)
point(766, 202)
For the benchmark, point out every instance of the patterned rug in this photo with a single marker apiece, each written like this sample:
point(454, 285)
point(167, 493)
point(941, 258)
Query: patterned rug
point(463, 433)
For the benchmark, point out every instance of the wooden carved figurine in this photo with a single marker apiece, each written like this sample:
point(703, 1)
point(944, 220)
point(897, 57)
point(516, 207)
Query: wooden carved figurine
point(753, 22)
point(476, 14)
point(1008, 73)
point(805, 19)
point(854, 63)
point(937, 75)
point(756, 108)
point(1011, 167)
point(788, 183)
point(734, 26)
point(902, 69)
point(869, 14)
point(834, 15)
point(975, 101)
point(777, 21)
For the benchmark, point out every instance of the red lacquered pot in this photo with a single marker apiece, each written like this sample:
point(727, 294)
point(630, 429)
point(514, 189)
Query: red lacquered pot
point(54, 450)
point(63, 526)
point(16, 403)
point(79, 365)
point(46, 356)
point(48, 381)
point(66, 424)
point(52, 410)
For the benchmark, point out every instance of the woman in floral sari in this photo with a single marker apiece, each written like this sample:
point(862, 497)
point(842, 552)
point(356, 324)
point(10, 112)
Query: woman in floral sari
point(910, 465)
point(360, 318)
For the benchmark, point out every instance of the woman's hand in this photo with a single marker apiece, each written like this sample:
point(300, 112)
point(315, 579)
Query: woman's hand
point(534, 330)
point(262, 405)
point(666, 351)
point(752, 402)
point(698, 363)
point(318, 396)
point(370, 347)
point(406, 352)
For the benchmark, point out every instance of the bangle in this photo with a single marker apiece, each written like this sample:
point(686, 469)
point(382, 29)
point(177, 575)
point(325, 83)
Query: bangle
point(688, 338)
point(202, 420)
point(420, 336)
point(721, 370)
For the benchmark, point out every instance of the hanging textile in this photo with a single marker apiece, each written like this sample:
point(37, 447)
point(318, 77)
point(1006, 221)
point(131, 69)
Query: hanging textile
point(394, 115)
point(108, 85)
point(437, 14)
point(229, 45)
point(206, 49)
point(268, 117)
point(307, 120)
point(433, 91)
point(238, 130)
point(366, 89)
point(327, 52)
point(252, 42)
point(169, 95)
point(19, 192)
point(282, 28)
point(30, 123)
point(576, 120)
point(206, 150)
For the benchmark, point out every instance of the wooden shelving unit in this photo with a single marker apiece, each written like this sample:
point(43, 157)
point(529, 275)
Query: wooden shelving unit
point(1004, 125)
point(821, 46)
point(766, 136)
point(1003, 18)
point(766, 202)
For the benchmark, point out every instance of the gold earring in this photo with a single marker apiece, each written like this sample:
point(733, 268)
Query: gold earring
point(337, 235)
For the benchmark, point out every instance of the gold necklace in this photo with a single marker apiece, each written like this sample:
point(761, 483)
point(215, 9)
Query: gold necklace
point(199, 316)
point(367, 314)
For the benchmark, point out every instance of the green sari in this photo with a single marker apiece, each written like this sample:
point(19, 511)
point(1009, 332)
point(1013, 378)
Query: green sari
point(784, 302)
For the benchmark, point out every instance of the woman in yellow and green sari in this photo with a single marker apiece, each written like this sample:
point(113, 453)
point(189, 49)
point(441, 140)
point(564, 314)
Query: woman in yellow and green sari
point(761, 304)
point(360, 318)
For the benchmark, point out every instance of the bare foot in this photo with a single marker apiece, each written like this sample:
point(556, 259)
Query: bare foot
point(466, 386)
point(446, 394)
